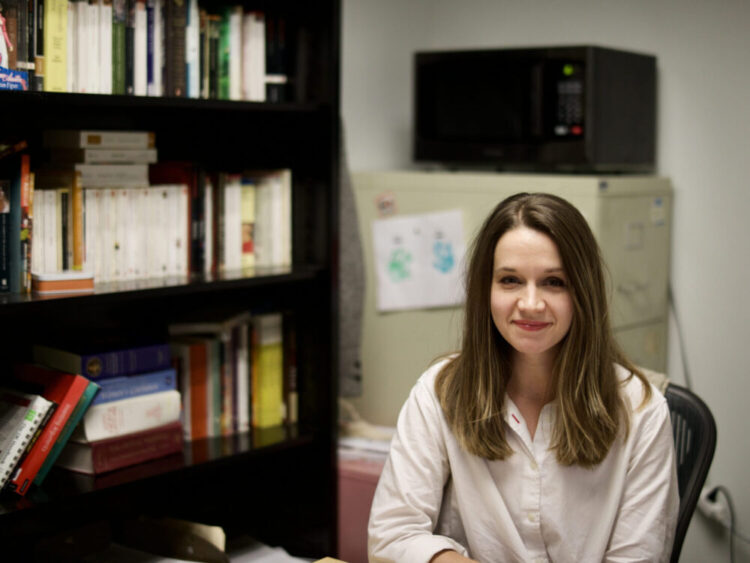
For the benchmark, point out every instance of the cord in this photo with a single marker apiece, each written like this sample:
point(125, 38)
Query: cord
point(712, 497)
point(683, 355)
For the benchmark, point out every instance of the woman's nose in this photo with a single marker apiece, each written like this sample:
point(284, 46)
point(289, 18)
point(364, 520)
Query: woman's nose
point(531, 300)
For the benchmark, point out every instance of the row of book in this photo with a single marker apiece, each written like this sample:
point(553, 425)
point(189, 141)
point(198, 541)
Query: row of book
point(97, 412)
point(144, 47)
point(100, 203)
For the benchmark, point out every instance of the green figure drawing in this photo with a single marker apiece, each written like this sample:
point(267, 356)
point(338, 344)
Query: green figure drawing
point(398, 265)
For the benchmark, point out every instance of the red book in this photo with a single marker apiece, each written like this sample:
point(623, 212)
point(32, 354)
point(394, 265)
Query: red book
point(101, 456)
point(65, 389)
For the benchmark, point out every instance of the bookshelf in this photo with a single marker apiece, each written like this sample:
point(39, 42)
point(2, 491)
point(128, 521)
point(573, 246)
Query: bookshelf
point(275, 484)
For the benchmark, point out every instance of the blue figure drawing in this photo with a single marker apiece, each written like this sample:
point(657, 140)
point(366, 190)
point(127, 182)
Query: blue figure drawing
point(444, 259)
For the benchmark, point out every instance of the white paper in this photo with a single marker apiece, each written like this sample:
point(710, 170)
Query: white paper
point(419, 260)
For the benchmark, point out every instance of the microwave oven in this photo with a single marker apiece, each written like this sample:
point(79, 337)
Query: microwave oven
point(578, 108)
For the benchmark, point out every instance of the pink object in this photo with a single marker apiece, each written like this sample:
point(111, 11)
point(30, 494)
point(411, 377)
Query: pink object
point(357, 481)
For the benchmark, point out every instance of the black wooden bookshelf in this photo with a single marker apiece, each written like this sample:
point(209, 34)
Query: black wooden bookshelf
point(278, 484)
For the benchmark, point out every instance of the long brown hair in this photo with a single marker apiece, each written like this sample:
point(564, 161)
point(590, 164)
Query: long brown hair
point(471, 386)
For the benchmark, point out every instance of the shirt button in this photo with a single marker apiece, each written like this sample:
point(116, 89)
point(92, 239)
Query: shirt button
point(532, 516)
point(534, 466)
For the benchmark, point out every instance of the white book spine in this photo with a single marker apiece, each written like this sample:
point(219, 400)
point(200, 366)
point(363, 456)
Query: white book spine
point(233, 223)
point(89, 232)
point(134, 414)
point(192, 50)
point(181, 352)
point(140, 50)
point(183, 232)
point(235, 53)
point(107, 175)
point(286, 217)
point(158, 47)
point(82, 23)
point(100, 248)
point(247, 59)
point(50, 230)
point(37, 240)
point(209, 218)
point(72, 48)
point(93, 47)
point(105, 47)
point(259, 59)
point(262, 242)
point(243, 378)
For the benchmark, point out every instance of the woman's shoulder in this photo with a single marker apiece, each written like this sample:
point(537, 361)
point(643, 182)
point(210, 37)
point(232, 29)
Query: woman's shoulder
point(634, 388)
point(427, 379)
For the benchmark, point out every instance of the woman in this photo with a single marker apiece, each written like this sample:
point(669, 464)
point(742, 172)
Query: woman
point(539, 441)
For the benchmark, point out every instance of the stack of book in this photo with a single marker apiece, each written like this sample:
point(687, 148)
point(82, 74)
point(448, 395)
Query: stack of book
point(135, 417)
point(236, 373)
point(36, 424)
point(88, 191)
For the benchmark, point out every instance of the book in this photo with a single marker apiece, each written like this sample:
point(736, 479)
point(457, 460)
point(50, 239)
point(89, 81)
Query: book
point(105, 46)
point(233, 365)
point(101, 456)
point(102, 363)
point(65, 390)
point(98, 139)
point(119, 20)
point(67, 281)
point(69, 184)
point(15, 169)
point(186, 174)
point(21, 414)
point(67, 431)
point(124, 416)
point(116, 388)
point(55, 45)
point(175, 20)
point(71, 155)
point(4, 234)
point(113, 175)
point(267, 370)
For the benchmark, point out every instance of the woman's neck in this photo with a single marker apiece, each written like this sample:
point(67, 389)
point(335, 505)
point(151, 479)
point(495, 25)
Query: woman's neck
point(532, 378)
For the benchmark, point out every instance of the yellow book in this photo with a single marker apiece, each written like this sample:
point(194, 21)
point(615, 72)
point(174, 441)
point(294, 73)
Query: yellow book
point(268, 370)
point(55, 45)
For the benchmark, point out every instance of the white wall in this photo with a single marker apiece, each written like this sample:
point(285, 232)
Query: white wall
point(703, 51)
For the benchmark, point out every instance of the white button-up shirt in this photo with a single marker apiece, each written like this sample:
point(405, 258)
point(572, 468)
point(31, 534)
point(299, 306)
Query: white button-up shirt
point(433, 495)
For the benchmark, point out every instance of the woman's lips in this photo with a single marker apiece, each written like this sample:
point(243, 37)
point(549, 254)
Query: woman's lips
point(531, 325)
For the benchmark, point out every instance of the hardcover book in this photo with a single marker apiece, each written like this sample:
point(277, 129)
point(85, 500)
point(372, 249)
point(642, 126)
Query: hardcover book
point(99, 364)
point(98, 139)
point(125, 416)
point(101, 456)
point(116, 388)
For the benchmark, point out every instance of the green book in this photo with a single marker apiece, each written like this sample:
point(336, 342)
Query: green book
point(224, 55)
point(65, 433)
point(119, 19)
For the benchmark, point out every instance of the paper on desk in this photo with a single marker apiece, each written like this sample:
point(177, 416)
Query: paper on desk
point(419, 260)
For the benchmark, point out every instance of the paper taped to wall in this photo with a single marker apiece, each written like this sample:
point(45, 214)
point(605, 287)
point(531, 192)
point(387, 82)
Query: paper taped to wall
point(419, 260)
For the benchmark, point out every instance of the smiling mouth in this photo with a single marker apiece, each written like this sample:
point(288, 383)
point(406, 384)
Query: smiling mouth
point(531, 325)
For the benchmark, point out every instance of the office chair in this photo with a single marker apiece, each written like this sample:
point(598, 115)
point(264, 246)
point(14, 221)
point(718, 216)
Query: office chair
point(695, 441)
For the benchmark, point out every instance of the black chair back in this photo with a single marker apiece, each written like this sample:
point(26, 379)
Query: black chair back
point(695, 441)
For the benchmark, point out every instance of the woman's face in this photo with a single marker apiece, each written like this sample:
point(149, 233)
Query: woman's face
point(530, 301)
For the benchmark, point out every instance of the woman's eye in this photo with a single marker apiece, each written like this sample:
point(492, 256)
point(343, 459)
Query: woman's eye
point(508, 280)
point(556, 282)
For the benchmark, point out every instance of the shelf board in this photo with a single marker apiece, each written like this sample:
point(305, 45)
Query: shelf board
point(206, 454)
point(174, 285)
point(110, 101)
